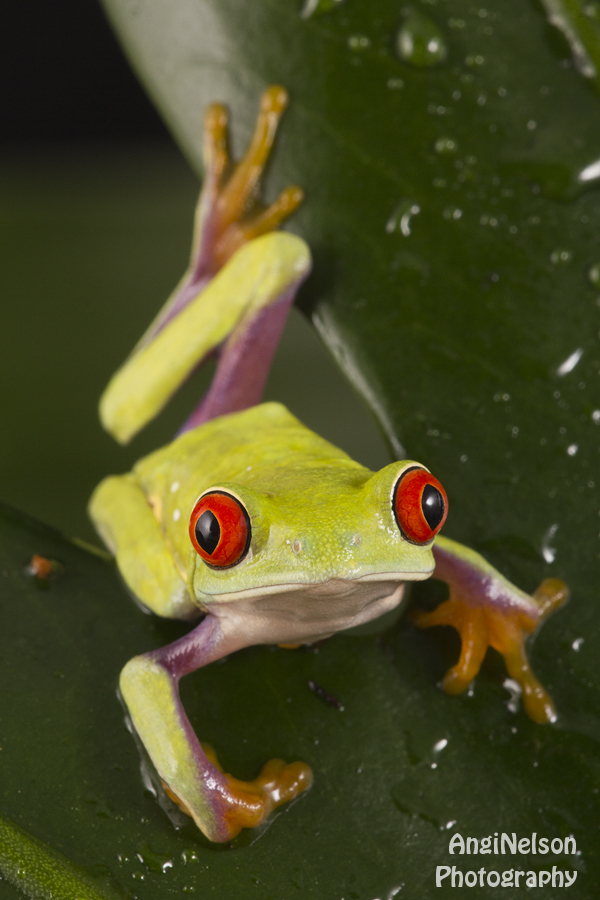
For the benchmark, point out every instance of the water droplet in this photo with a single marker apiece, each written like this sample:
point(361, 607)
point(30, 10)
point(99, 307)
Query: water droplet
point(445, 145)
point(594, 274)
point(401, 216)
point(419, 41)
point(569, 364)
point(395, 84)
point(156, 862)
point(515, 690)
point(576, 645)
point(475, 59)
point(358, 42)
point(561, 257)
point(548, 552)
point(452, 212)
point(572, 449)
point(440, 745)
point(318, 7)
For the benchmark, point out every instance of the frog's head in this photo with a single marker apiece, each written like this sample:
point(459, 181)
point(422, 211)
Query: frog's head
point(337, 525)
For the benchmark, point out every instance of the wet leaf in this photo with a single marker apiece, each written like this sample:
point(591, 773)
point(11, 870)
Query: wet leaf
point(452, 206)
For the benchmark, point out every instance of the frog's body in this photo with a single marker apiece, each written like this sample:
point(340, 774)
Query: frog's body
point(327, 549)
point(326, 553)
point(257, 524)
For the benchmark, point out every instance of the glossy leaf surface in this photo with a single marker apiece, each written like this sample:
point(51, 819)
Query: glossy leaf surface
point(453, 212)
point(398, 770)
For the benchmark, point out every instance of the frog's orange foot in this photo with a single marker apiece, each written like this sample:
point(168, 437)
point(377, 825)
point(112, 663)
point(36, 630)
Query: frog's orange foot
point(247, 804)
point(488, 611)
point(230, 212)
point(250, 803)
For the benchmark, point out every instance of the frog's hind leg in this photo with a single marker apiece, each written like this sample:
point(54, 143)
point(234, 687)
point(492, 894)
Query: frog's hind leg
point(220, 804)
point(234, 298)
point(488, 611)
point(230, 212)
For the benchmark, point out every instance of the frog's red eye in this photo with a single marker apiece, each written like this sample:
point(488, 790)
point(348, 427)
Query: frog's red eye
point(220, 529)
point(420, 505)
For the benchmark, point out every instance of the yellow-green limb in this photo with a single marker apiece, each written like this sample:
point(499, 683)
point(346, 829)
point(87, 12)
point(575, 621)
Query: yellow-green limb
point(126, 522)
point(263, 272)
point(238, 318)
point(220, 804)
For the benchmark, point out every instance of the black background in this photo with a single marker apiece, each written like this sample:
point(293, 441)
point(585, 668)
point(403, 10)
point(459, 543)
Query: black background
point(63, 77)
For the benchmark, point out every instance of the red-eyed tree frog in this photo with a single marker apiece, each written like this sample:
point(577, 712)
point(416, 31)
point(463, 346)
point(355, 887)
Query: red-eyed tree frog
point(255, 525)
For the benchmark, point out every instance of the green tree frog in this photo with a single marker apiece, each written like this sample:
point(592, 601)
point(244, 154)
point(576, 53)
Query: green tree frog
point(255, 525)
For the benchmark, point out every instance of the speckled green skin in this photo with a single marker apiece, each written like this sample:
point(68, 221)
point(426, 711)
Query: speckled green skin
point(316, 515)
point(325, 554)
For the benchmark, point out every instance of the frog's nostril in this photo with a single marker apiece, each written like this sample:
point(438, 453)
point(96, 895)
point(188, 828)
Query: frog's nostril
point(297, 546)
point(356, 539)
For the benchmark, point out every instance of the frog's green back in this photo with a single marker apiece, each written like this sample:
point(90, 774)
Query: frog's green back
point(260, 447)
point(242, 447)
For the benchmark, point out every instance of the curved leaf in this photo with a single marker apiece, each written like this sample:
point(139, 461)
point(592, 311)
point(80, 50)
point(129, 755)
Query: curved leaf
point(454, 217)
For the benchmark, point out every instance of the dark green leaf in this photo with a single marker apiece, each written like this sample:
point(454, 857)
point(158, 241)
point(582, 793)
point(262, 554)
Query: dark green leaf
point(453, 212)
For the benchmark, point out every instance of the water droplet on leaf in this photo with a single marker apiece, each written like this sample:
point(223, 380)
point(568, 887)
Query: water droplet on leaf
point(358, 42)
point(561, 257)
point(445, 145)
point(420, 42)
point(401, 216)
point(594, 274)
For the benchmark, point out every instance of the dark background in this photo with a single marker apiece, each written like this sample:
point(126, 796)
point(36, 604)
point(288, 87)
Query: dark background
point(96, 209)
point(64, 77)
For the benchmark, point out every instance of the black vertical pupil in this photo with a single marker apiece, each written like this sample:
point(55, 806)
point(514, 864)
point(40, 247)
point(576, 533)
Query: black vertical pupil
point(432, 504)
point(208, 531)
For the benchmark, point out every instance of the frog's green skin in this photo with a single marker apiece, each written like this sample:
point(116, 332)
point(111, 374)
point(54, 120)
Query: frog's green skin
point(235, 296)
point(325, 553)
point(325, 550)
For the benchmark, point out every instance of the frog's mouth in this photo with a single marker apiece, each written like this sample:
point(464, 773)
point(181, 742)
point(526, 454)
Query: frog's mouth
point(305, 613)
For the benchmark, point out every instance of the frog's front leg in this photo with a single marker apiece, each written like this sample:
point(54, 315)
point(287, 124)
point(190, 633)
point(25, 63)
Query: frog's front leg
point(154, 573)
point(488, 611)
point(220, 804)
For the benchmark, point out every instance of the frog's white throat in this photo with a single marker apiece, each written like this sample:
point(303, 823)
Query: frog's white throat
point(305, 613)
